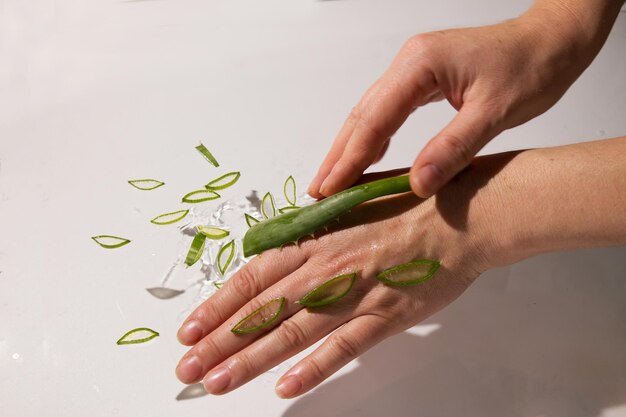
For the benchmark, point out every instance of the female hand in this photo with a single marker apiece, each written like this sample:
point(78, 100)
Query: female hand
point(496, 77)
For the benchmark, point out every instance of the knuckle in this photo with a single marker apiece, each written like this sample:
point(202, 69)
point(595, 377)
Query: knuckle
point(315, 371)
point(345, 347)
point(458, 148)
point(247, 284)
point(424, 44)
point(292, 334)
point(210, 312)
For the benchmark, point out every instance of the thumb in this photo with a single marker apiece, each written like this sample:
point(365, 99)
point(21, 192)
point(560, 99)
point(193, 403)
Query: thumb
point(451, 150)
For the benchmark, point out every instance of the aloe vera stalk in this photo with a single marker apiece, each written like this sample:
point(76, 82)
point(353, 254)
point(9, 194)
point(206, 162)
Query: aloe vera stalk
point(212, 232)
point(110, 242)
point(146, 184)
point(225, 256)
point(410, 273)
point(200, 196)
point(138, 335)
point(289, 190)
point(196, 249)
point(169, 218)
point(224, 181)
point(207, 154)
point(251, 221)
point(261, 317)
point(329, 292)
point(295, 224)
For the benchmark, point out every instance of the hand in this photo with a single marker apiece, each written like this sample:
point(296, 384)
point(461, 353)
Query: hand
point(496, 77)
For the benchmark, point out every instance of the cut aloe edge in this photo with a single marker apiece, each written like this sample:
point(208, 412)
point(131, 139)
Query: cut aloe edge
point(169, 218)
point(218, 285)
point(329, 292)
point(146, 184)
point(410, 273)
point(207, 154)
point(268, 208)
point(196, 249)
point(200, 196)
point(138, 335)
point(289, 190)
point(110, 242)
point(224, 181)
point(250, 221)
point(286, 209)
point(225, 256)
point(261, 317)
point(212, 232)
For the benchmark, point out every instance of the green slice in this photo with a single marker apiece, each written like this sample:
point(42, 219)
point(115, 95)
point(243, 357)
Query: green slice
point(224, 181)
point(329, 292)
point(138, 335)
point(261, 317)
point(196, 249)
point(268, 208)
point(218, 285)
point(288, 208)
point(251, 220)
point(410, 273)
point(213, 232)
point(225, 256)
point(146, 184)
point(169, 218)
point(200, 196)
point(289, 189)
point(208, 155)
point(110, 242)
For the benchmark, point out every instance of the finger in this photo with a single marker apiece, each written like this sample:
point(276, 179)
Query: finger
point(345, 344)
point(259, 274)
point(451, 150)
point(398, 95)
point(382, 152)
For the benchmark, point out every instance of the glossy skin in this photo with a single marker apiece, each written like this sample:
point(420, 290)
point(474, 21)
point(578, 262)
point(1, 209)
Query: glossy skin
point(496, 77)
point(464, 227)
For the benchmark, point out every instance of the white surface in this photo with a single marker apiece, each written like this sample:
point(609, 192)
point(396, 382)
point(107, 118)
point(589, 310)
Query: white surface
point(93, 93)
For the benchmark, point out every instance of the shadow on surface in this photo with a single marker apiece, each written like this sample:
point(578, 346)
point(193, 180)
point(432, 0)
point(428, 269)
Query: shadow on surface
point(544, 338)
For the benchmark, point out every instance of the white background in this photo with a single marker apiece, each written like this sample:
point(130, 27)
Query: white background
point(95, 92)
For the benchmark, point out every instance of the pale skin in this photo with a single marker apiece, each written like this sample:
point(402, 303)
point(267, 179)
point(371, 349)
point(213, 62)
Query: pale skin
point(497, 77)
point(465, 227)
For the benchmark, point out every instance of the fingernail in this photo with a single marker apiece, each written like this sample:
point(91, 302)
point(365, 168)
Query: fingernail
point(325, 185)
point(217, 380)
point(289, 386)
point(190, 333)
point(189, 370)
point(430, 179)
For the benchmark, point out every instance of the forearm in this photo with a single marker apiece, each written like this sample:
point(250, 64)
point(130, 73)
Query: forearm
point(562, 198)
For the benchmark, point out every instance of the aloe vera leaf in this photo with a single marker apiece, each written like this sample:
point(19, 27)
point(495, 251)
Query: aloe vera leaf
point(410, 273)
point(169, 218)
point(110, 242)
point(289, 190)
point(212, 232)
point(196, 249)
point(200, 196)
point(295, 224)
point(225, 256)
point(251, 221)
point(138, 335)
point(329, 292)
point(146, 184)
point(261, 317)
point(224, 181)
point(268, 208)
point(208, 155)
point(288, 208)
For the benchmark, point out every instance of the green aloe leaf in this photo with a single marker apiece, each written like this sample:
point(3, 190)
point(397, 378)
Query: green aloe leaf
point(329, 292)
point(225, 256)
point(146, 184)
point(169, 218)
point(261, 317)
point(138, 335)
point(200, 196)
point(289, 189)
point(110, 242)
point(208, 155)
point(196, 249)
point(224, 181)
point(410, 273)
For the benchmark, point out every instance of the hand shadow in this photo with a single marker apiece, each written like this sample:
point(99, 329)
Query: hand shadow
point(544, 337)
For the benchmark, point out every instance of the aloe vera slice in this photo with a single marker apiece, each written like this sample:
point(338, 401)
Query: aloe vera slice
point(224, 181)
point(410, 273)
point(164, 293)
point(212, 232)
point(329, 292)
point(169, 218)
point(268, 208)
point(218, 285)
point(289, 190)
point(110, 242)
point(208, 155)
point(288, 208)
point(261, 317)
point(251, 221)
point(293, 225)
point(200, 196)
point(225, 256)
point(146, 184)
point(138, 335)
point(196, 249)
